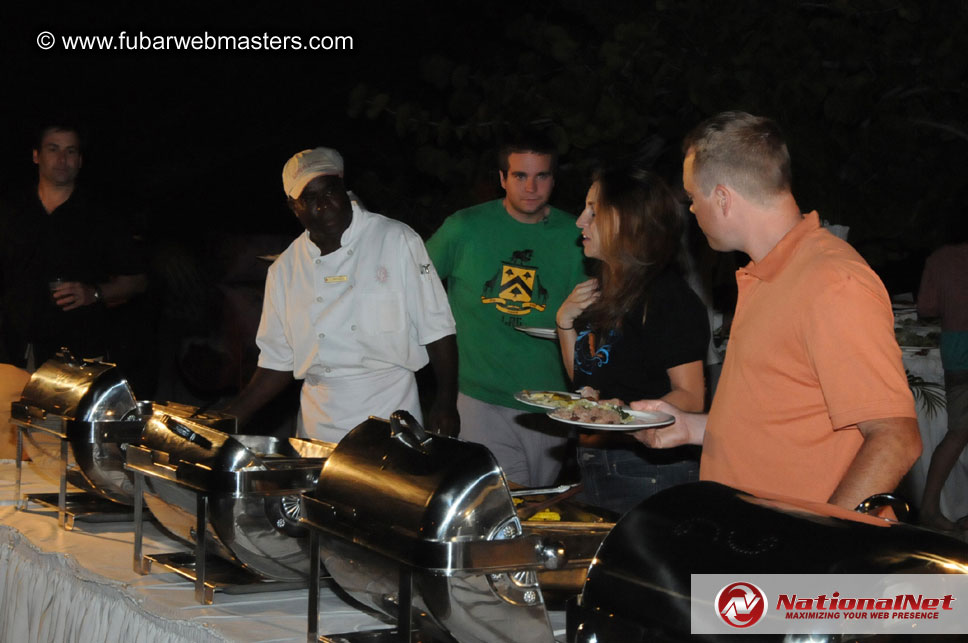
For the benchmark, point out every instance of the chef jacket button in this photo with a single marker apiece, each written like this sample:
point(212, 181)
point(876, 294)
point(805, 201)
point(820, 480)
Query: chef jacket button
point(319, 299)
point(350, 252)
point(353, 327)
point(322, 335)
point(319, 261)
point(329, 370)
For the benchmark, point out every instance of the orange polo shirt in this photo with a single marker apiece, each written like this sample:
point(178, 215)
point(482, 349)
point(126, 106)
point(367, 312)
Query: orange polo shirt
point(811, 353)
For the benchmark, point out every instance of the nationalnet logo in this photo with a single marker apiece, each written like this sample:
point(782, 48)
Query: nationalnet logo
point(851, 604)
point(899, 606)
point(741, 604)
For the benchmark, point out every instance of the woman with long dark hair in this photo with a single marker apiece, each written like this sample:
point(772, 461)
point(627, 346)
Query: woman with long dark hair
point(636, 331)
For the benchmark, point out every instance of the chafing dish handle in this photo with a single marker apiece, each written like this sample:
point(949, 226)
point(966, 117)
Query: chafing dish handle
point(183, 431)
point(401, 422)
point(68, 357)
point(27, 412)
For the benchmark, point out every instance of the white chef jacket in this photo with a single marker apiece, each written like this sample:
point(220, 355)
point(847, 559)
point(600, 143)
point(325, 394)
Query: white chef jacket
point(353, 323)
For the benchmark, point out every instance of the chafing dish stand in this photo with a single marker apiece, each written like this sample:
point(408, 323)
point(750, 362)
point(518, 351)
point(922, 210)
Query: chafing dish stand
point(76, 505)
point(244, 494)
point(422, 527)
point(209, 573)
point(88, 410)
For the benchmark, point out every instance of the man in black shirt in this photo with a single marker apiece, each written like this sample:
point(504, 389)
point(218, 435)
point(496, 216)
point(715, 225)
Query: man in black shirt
point(62, 261)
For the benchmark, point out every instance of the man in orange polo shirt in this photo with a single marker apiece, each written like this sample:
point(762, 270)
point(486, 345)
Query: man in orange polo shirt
point(813, 401)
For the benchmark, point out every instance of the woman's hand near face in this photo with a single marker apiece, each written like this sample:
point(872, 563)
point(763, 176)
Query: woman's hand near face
point(581, 297)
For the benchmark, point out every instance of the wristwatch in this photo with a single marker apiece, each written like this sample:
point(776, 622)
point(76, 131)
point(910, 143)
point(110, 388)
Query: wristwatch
point(98, 295)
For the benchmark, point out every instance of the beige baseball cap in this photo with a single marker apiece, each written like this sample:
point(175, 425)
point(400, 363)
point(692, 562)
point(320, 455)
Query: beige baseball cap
point(307, 165)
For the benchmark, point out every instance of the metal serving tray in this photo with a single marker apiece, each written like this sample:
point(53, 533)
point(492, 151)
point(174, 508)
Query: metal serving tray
point(235, 498)
point(424, 529)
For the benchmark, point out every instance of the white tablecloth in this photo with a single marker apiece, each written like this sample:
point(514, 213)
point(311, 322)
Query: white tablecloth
point(81, 586)
point(926, 364)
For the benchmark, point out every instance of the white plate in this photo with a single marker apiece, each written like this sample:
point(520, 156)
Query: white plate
point(540, 333)
point(643, 420)
point(522, 396)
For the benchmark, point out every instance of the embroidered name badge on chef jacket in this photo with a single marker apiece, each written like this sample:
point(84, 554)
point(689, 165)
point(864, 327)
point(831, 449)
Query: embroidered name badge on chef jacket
point(335, 279)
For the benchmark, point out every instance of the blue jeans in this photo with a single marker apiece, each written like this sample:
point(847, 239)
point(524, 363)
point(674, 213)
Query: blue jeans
point(619, 478)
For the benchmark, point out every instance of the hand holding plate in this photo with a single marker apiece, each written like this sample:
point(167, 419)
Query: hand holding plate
point(674, 435)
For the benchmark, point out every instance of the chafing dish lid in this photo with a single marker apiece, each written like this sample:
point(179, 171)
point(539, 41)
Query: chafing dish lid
point(393, 485)
point(186, 441)
point(81, 390)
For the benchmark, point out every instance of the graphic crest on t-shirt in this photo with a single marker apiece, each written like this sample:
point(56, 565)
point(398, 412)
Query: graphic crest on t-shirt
point(516, 289)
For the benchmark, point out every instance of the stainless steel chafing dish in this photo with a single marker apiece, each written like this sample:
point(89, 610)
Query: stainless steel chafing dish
point(74, 418)
point(638, 589)
point(233, 496)
point(424, 528)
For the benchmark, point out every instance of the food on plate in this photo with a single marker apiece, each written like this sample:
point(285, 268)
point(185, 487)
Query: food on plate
point(587, 393)
point(546, 515)
point(589, 412)
point(570, 407)
point(551, 399)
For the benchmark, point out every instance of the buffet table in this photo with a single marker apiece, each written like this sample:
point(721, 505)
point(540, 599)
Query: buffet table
point(80, 585)
point(58, 585)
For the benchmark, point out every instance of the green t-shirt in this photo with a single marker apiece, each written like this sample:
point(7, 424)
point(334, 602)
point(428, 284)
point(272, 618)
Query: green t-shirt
point(502, 274)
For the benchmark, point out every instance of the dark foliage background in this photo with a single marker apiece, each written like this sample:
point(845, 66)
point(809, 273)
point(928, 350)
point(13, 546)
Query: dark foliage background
point(871, 94)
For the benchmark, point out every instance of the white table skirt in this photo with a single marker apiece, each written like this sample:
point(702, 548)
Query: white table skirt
point(926, 364)
point(50, 597)
point(81, 586)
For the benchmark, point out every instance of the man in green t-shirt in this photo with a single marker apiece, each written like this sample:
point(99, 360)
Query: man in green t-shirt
point(509, 264)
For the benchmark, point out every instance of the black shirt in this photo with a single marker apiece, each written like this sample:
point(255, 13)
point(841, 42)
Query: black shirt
point(78, 241)
point(631, 363)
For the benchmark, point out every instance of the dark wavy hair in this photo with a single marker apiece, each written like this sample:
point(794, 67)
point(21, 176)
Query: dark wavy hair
point(531, 141)
point(640, 227)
